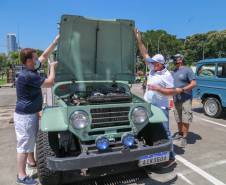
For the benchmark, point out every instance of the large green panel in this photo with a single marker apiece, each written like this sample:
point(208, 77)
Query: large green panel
point(95, 49)
point(54, 119)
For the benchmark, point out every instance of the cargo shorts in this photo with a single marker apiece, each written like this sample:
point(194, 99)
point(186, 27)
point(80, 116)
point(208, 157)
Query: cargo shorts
point(183, 111)
point(26, 128)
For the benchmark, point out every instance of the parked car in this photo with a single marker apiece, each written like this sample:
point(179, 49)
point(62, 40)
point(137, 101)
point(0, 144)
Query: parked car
point(93, 125)
point(211, 85)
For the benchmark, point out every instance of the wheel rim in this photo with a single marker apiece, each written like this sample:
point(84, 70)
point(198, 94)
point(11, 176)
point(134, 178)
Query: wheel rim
point(211, 107)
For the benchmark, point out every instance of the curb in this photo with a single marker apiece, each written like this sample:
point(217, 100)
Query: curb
point(7, 85)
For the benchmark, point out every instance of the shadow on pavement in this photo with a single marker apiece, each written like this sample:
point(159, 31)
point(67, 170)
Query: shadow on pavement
point(131, 177)
point(198, 110)
point(193, 137)
point(178, 150)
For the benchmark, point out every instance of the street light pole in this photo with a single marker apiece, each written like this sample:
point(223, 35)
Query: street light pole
point(159, 42)
point(146, 67)
point(203, 51)
point(185, 41)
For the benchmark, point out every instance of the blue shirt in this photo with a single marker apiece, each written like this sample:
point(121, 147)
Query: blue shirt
point(29, 93)
point(182, 77)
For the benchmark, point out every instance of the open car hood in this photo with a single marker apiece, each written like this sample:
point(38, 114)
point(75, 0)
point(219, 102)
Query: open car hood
point(91, 49)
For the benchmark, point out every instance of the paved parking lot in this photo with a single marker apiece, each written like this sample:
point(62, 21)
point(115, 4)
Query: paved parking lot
point(202, 162)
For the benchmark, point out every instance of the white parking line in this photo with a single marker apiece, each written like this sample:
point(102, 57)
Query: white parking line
point(212, 122)
point(198, 170)
point(184, 178)
point(205, 167)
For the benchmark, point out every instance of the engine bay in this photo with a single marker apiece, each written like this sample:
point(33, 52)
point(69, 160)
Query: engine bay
point(93, 93)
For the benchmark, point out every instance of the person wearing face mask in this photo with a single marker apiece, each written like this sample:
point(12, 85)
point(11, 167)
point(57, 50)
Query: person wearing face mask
point(159, 76)
point(28, 105)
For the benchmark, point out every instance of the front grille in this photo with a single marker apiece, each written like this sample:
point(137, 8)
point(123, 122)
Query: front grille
point(110, 117)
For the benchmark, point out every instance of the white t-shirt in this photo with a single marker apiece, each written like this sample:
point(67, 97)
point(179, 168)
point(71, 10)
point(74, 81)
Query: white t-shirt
point(162, 78)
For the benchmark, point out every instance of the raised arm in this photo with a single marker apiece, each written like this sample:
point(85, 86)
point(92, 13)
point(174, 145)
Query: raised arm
point(51, 78)
point(44, 56)
point(140, 44)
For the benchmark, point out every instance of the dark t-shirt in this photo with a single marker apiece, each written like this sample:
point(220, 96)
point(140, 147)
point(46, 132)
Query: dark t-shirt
point(29, 93)
point(182, 77)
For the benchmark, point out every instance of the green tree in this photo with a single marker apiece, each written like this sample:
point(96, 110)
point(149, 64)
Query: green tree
point(3, 61)
point(14, 58)
point(195, 47)
point(216, 44)
point(159, 41)
point(206, 45)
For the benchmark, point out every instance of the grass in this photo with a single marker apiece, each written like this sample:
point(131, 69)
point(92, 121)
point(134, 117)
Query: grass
point(2, 81)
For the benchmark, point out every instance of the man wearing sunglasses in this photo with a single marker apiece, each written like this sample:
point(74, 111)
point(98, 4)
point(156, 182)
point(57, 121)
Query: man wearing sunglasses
point(184, 78)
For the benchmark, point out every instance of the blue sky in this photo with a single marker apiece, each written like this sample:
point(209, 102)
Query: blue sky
point(36, 20)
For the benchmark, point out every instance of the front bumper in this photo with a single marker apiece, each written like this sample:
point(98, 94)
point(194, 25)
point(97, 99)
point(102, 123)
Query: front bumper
point(104, 159)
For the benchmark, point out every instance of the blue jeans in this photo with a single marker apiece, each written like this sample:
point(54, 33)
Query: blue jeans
point(166, 126)
point(166, 123)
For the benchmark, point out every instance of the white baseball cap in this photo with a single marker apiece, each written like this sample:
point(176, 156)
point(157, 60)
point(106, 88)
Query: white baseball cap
point(157, 58)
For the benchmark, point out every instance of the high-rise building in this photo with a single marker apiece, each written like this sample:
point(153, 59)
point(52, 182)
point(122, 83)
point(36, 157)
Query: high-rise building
point(11, 42)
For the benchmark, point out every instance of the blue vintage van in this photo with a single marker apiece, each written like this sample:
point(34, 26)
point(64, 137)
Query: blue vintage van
point(211, 85)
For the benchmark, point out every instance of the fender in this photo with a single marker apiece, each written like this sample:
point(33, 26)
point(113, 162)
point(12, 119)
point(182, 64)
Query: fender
point(54, 119)
point(158, 115)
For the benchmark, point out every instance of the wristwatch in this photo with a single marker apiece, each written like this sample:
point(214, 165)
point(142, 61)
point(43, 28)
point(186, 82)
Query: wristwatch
point(182, 90)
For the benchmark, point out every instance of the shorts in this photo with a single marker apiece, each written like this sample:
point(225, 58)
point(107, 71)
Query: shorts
point(183, 111)
point(26, 127)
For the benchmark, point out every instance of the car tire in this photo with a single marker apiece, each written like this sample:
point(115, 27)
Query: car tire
point(212, 107)
point(43, 151)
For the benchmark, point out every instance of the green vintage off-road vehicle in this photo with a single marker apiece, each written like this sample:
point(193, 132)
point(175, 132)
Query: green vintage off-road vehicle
point(93, 125)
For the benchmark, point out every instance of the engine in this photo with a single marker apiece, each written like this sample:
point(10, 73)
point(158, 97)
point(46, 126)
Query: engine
point(97, 94)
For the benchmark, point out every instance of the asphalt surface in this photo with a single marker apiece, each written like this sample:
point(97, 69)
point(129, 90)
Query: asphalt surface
point(202, 162)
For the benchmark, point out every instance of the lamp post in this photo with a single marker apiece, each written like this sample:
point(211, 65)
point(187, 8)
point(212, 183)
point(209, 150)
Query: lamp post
point(221, 47)
point(146, 67)
point(203, 50)
point(185, 41)
point(159, 42)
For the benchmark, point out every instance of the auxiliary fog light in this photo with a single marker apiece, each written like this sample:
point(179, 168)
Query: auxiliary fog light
point(128, 140)
point(102, 143)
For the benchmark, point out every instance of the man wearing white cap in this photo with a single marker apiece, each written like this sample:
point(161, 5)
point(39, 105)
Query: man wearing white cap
point(159, 76)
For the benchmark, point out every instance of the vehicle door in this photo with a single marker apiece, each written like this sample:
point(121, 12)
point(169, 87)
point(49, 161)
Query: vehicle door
point(221, 82)
point(206, 79)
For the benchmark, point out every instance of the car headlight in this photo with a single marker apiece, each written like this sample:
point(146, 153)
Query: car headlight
point(139, 115)
point(79, 119)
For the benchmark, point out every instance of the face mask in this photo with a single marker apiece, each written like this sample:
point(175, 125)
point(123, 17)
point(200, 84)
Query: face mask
point(37, 64)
